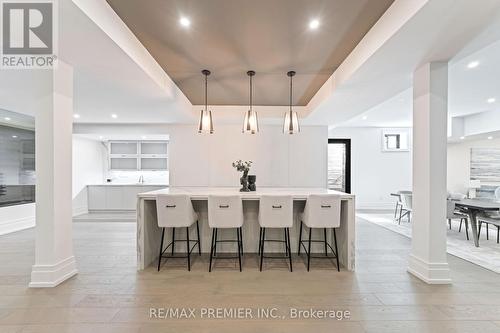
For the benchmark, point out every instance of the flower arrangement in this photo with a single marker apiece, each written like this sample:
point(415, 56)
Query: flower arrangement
point(243, 166)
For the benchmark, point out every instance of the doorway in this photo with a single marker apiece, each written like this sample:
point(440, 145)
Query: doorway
point(339, 165)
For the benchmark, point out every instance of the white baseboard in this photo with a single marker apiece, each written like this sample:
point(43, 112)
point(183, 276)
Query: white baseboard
point(375, 205)
point(80, 210)
point(17, 218)
point(48, 276)
point(431, 273)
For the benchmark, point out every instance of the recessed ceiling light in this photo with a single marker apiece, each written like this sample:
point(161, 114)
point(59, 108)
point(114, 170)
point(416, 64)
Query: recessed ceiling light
point(6, 119)
point(314, 24)
point(114, 115)
point(473, 64)
point(143, 137)
point(462, 137)
point(491, 100)
point(76, 116)
point(364, 117)
point(185, 22)
point(490, 138)
point(14, 136)
point(101, 137)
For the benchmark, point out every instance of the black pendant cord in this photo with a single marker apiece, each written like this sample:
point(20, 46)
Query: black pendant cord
point(206, 92)
point(251, 92)
point(291, 91)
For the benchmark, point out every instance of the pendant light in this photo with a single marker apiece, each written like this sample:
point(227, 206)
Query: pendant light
point(291, 121)
point(206, 124)
point(251, 121)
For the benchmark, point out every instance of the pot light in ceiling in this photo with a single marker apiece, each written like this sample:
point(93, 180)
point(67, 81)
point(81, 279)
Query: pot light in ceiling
point(101, 137)
point(491, 100)
point(462, 137)
point(364, 117)
point(76, 116)
point(473, 64)
point(185, 22)
point(291, 121)
point(206, 124)
point(7, 118)
point(114, 115)
point(490, 138)
point(14, 137)
point(314, 24)
point(251, 121)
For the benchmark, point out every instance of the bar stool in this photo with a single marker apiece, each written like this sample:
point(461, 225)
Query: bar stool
point(176, 211)
point(275, 211)
point(225, 212)
point(322, 211)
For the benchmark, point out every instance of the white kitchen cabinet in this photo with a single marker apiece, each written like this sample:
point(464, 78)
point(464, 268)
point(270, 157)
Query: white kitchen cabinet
point(116, 197)
point(96, 197)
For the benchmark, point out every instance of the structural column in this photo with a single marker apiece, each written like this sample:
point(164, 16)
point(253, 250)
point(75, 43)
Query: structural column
point(430, 100)
point(54, 260)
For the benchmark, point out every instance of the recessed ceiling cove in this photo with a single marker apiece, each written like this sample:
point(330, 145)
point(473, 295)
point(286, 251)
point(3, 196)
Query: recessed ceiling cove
point(230, 37)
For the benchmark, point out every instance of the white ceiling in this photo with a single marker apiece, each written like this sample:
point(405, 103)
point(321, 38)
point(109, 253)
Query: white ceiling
point(109, 79)
point(469, 91)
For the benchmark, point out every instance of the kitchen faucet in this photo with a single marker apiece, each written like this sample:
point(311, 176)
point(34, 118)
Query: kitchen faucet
point(141, 179)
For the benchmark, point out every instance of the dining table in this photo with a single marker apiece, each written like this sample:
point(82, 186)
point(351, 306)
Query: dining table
point(474, 208)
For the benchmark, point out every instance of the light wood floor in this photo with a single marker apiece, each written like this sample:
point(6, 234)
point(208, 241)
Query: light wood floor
point(108, 295)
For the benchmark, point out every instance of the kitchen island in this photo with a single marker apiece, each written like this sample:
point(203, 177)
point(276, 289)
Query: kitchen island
point(149, 234)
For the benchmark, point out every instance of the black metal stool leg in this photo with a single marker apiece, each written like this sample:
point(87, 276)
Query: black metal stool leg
point(262, 247)
point(211, 250)
point(479, 230)
point(260, 239)
point(336, 249)
point(467, 229)
point(286, 242)
point(498, 233)
point(309, 250)
point(240, 230)
point(173, 240)
point(161, 248)
point(215, 244)
point(289, 248)
point(300, 238)
point(198, 233)
point(324, 233)
point(239, 244)
point(460, 226)
point(188, 249)
point(487, 231)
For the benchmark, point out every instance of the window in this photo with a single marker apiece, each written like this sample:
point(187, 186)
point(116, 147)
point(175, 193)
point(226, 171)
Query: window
point(138, 155)
point(395, 140)
point(17, 166)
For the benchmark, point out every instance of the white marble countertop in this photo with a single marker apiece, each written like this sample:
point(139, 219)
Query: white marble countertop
point(202, 193)
point(129, 184)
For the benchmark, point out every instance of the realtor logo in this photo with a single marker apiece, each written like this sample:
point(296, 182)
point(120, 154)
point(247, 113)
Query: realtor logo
point(28, 31)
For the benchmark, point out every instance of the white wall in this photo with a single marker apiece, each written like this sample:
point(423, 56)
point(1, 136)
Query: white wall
point(374, 173)
point(205, 160)
point(88, 168)
point(459, 162)
point(278, 159)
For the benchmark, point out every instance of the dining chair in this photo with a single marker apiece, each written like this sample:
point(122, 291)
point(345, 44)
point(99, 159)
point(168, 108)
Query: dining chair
point(322, 211)
point(176, 211)
point(406, 205)
point(225, 212)
point(489, 219)
point(453, 214)
point(275, 211)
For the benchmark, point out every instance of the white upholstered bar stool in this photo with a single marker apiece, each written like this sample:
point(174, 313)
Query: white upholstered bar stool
point(176, 211)
point(322, 211)
point(225, 212)
point(275, 211)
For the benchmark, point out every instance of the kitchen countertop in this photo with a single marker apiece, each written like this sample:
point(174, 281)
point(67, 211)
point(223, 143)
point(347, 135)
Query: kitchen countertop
point(202, 192)
point(131, 184)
